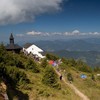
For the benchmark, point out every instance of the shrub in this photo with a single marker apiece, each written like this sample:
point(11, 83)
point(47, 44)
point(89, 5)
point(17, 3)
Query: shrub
point(44, 63)
point(52, 57)
point(62, 66)
point(3, 53)
point(96, 69)
point(50, 78)
point(14, 75)
point(32, 65)
point(85, 69)
point(92, 77)
point(19, 64)
point(70, 62)
point(69, 77)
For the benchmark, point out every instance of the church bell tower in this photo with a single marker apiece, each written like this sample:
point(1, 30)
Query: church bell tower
point(11, 39)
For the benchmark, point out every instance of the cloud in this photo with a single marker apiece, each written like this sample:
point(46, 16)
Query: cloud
point(94, 33)
point(73, 33)
point(17, 11)
point(19, 35)
point(66, 33)
point(34, 33)
point(56, 33)
point(78, 33)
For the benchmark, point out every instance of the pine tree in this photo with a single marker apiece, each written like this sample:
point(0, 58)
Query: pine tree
point(50, 78)
point(92, 77)
point(44, 63)
point(69, 77)
point(32, 66)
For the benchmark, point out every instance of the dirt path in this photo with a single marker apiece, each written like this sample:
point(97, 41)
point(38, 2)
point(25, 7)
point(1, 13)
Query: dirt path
point(77, 92)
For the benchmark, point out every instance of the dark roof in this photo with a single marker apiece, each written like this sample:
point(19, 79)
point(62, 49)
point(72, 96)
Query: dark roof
point(27, 45)
point(13, 47)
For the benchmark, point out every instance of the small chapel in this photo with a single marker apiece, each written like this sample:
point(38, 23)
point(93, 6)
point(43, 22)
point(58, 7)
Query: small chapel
point(12, 46)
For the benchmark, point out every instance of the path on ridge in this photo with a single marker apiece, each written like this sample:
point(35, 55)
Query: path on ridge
point(77, 92)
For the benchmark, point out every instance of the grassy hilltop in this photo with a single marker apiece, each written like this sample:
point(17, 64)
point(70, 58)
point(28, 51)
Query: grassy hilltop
point(27, 79)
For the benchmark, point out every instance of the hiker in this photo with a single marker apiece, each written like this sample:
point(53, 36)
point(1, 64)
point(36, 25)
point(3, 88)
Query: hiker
point(60, 77)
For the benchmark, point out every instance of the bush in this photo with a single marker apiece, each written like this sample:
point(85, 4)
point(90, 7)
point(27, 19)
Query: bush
point(69, 77)
point(92, 77)
point(8, 67)
point(13, 60)
point(18, 63)
point(44, 63)
point(96, 69)
point(32, 65)
point(52, 57)
point(85, 69)
point(63, 66)
point(3, 53)
point(70, 62)
point(14, 75)
point(50, 78)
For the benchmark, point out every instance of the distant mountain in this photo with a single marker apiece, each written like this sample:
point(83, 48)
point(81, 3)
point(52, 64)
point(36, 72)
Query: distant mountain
point(92, 40)
point(92, 58)
point(70, 45)
point(87, 49)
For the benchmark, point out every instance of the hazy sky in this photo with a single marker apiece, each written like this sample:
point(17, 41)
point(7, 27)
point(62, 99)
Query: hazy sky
point(36, 19)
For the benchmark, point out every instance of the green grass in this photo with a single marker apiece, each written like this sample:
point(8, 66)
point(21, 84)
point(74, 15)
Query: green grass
point(39, 91)
point(36, 90)
point(87, 86)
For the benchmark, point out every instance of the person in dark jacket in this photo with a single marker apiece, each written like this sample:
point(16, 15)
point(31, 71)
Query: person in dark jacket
point(60, 77)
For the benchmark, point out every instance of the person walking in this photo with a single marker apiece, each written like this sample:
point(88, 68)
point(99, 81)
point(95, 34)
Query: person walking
point(60, 77)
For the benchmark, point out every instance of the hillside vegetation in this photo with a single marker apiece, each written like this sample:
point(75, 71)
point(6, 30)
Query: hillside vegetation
point(72, 71)
point(27, 79)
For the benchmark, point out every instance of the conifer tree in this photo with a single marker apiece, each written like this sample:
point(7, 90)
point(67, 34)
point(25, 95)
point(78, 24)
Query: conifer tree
point(44, 63)
point(92, 77)
point(69, 77)
point(50, 78)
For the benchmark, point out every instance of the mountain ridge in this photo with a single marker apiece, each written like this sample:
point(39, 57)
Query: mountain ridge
point(71, 45)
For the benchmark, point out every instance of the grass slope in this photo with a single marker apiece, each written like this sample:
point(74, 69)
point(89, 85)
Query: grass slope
point(87, 86)
point(35, 89)
point(40, 91)
point(27, 75)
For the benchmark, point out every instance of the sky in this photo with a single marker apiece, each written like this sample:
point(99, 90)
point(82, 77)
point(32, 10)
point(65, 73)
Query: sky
point(30, 20)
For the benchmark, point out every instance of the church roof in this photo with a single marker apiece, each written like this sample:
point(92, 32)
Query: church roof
point(12, 47)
